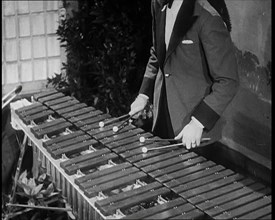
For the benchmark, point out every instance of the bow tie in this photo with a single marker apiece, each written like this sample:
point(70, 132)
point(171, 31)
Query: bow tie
point(165, 2)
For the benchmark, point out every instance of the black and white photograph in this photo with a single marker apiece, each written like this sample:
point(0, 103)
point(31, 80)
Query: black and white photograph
point(136, 109)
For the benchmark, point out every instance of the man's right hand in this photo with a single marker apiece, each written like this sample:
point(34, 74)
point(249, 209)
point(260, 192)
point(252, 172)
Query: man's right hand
point(138, 105)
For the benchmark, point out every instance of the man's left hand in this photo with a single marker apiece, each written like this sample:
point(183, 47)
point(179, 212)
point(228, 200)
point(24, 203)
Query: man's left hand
point(190, 135)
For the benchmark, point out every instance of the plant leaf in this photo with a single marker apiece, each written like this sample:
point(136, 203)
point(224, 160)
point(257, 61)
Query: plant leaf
point(21, 194)
point(22, 179)
point(27, 190)
point(54, 194)
point(36, 190)
point(23, 176)
point(40, 195)
point(42, 177)
point(31, 183)
point(49, 190)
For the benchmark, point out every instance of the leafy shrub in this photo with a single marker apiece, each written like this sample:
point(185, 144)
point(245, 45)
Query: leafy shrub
point(107, 45)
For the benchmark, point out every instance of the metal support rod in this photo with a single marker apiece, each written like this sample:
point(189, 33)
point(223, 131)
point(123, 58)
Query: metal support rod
point(18, 167)
point(40, 207)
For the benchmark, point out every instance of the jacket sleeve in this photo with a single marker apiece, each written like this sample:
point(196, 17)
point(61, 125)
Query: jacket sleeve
point(219, 53)
point(147, 86)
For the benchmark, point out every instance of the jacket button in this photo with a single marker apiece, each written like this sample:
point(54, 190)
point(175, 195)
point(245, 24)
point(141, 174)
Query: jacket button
point(167, 75)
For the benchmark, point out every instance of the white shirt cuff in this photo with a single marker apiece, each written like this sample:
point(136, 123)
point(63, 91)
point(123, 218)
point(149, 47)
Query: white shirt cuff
point(197, 122)
point(143, 96)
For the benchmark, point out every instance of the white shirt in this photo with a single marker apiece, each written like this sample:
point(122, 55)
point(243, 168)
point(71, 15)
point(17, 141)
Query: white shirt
point(171, 15)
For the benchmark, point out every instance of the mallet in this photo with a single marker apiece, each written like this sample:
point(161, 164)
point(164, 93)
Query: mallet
point(145, 149)
point(102, 123)
point(119, 127)
point(16, 91)
point(143, 139)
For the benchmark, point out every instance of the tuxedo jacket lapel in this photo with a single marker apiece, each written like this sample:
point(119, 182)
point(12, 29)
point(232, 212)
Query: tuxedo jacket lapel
point(160, 35)
point(183, 23)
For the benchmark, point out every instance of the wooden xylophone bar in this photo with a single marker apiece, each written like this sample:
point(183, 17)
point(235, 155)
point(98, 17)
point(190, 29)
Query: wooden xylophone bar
point(60, 139)
point(191, 185)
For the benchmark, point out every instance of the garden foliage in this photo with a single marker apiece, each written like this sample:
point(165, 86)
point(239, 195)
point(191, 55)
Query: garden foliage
point(107, 46)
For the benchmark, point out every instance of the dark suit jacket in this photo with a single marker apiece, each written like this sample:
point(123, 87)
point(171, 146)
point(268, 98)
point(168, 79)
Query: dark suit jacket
point(197, 79)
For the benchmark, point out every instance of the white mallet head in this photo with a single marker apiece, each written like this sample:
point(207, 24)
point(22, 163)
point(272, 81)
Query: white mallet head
point(144, 150)
point(101, 124)
point(142, 139)
point(115, 129)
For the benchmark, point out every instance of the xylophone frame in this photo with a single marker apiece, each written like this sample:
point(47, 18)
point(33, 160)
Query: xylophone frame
point(201, 188)
point(86, 208)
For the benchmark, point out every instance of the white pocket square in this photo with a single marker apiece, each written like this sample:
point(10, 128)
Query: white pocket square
point(187, 42)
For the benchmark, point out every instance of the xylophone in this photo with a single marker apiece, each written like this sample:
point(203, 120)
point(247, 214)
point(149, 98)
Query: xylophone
point(105, 175)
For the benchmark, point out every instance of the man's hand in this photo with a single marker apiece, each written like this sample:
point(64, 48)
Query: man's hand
point(138, 105)
point(191, 134)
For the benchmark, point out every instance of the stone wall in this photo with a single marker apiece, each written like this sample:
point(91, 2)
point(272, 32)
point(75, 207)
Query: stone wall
point(248, 128)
